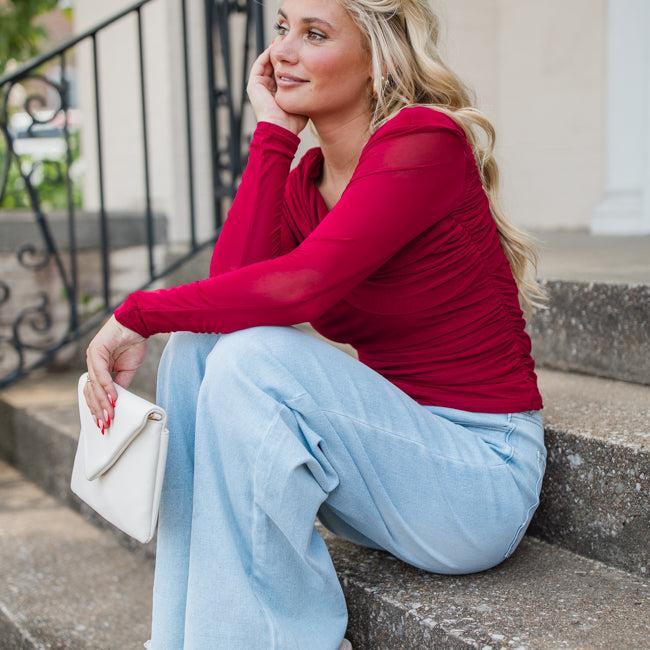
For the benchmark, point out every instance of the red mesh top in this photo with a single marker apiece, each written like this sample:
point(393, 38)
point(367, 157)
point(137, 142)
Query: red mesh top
point(407, 267)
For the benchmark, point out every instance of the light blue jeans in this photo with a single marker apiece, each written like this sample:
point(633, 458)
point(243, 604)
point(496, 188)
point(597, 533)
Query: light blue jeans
point(270, 428)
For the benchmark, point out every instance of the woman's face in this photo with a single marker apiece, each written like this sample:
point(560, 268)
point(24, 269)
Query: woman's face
point(316, 40)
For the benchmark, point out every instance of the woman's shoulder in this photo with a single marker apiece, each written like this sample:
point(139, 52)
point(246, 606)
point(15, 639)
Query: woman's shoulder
point(418, 117)
point(407, 120)
point(400, 133)
point(415, 136)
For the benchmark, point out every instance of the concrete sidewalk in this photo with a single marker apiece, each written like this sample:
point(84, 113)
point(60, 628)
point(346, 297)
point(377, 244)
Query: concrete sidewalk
point(581, 256)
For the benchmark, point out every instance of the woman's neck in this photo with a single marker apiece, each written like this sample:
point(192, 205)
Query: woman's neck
point(341, 144)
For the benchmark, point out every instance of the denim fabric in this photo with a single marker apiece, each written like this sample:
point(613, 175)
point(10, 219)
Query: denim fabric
point(270, 428)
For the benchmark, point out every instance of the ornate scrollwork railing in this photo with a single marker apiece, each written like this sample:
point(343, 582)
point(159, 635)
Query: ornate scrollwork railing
point(39, 325)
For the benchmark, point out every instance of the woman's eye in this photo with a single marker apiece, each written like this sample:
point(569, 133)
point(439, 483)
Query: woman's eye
point(319, 37)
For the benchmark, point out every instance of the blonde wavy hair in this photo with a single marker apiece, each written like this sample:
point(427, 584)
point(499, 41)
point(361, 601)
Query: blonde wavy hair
point(401, 37)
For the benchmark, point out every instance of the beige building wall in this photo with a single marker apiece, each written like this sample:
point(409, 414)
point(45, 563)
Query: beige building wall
point(538, 70)
point(551, 119)
point(165, 96)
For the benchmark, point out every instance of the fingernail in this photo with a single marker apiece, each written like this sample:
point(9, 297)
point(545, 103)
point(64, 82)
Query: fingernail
point(112, 400)
point(105, 415)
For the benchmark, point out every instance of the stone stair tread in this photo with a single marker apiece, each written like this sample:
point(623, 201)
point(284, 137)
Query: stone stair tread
point(582, 256)
point(540, 597)
point(66, 583)
point(594, 328)
point(609, 410)
point(69, 584)
point(52, 397)
point(594, 495)
point(612, 411)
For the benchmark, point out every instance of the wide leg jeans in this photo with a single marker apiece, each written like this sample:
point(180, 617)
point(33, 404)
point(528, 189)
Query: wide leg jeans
point(271, 428)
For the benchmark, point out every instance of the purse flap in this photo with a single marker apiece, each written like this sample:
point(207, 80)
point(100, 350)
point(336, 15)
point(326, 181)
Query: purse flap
point(131, 415)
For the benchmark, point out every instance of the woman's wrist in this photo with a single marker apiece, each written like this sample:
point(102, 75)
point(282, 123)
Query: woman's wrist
point(126, 332)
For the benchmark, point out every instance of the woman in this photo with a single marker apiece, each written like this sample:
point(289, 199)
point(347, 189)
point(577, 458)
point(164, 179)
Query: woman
point(388, 236)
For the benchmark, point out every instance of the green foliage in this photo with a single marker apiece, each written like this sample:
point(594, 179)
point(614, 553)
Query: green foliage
point(19, 37)
point(48, 181)
point(88, 304)
point(19, 40)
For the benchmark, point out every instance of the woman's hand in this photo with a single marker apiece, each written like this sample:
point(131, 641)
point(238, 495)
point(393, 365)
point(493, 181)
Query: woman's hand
point(114, 349)
point(261, 91)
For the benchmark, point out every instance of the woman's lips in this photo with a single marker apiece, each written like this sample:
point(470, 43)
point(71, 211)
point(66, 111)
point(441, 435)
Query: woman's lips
point(285, 81)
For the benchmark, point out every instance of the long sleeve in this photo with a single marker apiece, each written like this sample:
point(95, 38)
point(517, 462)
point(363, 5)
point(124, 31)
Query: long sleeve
point(411, 173)
point(253, 229)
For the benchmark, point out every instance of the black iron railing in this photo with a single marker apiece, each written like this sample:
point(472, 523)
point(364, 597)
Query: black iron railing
point(27, 340)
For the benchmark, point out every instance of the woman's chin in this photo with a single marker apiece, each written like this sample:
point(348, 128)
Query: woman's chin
point(289, 106)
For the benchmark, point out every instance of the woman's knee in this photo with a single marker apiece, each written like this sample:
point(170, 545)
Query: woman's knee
point(253, 345)
point(266, 336)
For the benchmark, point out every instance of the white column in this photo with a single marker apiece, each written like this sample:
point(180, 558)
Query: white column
point(625, 206)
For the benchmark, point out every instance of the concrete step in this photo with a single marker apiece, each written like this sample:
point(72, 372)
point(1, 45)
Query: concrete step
point(594, 497)
point(126, 228)
point(596, 324)
point(39, 432)
point(595, 328)
point(595, 492)
point(67, 584)
point(600, 304)
point(578, 255)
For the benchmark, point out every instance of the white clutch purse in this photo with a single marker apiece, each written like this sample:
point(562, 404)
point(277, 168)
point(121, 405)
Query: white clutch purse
point(120, 474)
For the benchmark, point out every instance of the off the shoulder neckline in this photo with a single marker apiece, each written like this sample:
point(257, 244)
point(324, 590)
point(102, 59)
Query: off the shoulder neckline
point(313, 157)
